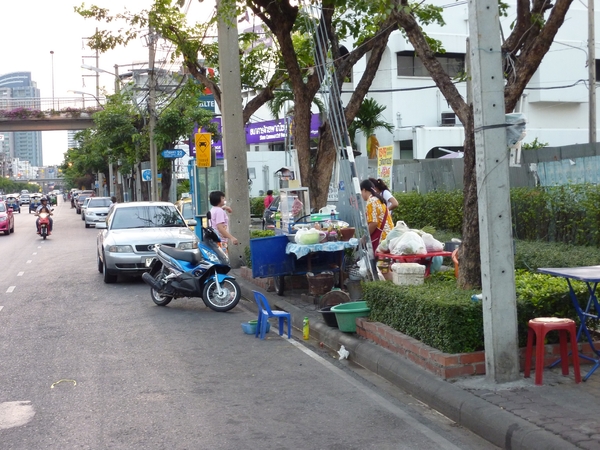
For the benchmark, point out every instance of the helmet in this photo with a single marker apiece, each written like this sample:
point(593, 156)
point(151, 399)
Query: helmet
point(44, 198)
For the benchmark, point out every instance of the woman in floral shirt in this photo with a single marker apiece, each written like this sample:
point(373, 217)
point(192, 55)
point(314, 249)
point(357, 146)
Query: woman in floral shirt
point(378, 217)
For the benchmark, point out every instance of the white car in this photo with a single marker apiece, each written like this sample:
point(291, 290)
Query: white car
point(125, 243)
point(94, 210)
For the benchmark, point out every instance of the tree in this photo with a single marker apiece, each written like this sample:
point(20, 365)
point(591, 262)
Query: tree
point(367, 23)
point(531, 37)
point(367, 120)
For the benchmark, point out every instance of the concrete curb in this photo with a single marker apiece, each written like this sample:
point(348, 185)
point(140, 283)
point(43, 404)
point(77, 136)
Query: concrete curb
point(492, 423)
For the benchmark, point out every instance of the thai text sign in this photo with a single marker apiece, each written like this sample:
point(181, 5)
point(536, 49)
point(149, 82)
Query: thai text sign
point(203, 150)
point(276, 130)
point(385, 160)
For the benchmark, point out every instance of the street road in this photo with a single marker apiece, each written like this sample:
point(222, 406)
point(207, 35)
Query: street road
point(88, 365)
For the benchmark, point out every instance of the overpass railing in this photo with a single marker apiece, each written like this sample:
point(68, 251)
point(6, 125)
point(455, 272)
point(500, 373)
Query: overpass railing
point(39, 108)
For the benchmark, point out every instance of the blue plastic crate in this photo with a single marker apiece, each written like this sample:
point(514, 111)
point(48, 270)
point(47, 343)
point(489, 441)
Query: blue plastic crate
point(269, 258)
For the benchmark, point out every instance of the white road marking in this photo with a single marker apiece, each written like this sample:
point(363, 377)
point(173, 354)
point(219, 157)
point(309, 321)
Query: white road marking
point(35, 253)
point(15, 414)
point(10, 289)
point(1, 308)
point(442, 442)
point(39, 246)
point(28, 261)
point(20, 274)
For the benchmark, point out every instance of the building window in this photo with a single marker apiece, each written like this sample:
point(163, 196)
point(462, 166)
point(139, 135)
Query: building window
point(409, 64)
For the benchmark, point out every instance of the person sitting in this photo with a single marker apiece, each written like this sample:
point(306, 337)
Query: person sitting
point(44, 207)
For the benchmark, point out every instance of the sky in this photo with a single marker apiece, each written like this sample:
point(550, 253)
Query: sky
point(31, 29)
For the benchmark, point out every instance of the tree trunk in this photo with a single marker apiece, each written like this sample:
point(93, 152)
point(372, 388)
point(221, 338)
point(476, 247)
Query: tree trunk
point(469, 256)
point(166, 183)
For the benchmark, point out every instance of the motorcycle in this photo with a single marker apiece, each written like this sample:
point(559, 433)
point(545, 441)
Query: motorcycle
point(201, 273)
point(44, 224)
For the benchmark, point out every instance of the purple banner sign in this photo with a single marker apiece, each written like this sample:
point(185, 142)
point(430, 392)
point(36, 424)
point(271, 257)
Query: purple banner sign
point(275, 130)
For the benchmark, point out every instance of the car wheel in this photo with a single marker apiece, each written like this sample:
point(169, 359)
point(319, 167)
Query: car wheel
point(100, 265)
point(7, 232)
point(87, 225)
point(108, 278)
point(12, 230)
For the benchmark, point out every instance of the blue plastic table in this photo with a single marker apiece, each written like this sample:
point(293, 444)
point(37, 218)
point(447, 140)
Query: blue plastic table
point(590, 275)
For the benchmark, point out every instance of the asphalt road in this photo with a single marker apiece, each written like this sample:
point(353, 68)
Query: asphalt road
point(86, 365)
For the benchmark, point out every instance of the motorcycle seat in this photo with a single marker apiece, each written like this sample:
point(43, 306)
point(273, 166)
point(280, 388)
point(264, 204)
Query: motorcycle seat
point(193, 257)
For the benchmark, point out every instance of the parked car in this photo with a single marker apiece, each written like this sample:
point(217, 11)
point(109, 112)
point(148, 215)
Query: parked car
point(79, 202)
point(124, 246)
point(84, 207)
point(7, 220)
point(13, 202)
point(35, 201)
point(24, 199)
point(185, 207)
point(96, 210)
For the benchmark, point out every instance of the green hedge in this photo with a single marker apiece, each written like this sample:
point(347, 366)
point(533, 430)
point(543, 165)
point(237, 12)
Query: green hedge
point(444, 317)
point(568, 214)
point(257, 206)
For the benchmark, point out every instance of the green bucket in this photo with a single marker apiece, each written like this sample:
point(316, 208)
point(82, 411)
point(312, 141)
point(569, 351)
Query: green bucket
point(347, 313)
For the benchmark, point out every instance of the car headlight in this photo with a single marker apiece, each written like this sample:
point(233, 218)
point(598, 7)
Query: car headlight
point(187, 245)
point(120, 249)
point(3, 219)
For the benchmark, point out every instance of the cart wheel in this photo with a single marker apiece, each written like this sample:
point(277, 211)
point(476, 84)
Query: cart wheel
point(279, 284)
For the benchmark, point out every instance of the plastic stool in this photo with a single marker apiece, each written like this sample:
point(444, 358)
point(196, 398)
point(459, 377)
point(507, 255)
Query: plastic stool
point(540, 327)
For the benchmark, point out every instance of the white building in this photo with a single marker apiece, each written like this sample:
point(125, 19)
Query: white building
point(555, 102)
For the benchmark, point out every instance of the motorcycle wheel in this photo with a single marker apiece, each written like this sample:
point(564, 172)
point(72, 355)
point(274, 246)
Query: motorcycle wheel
point(160, 299)
point(229, 298)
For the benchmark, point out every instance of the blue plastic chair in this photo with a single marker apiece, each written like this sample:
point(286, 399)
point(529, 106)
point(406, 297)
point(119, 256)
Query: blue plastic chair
point(265, 312)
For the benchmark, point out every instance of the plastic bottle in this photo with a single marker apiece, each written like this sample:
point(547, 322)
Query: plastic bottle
point(305, 329)
point(476, 297)
point(332, 214)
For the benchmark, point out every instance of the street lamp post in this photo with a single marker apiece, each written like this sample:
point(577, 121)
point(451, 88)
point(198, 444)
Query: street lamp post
point(52, 56)
point(87, 93)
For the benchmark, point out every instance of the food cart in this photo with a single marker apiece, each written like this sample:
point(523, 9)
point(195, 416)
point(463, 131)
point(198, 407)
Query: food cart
point(301, 244)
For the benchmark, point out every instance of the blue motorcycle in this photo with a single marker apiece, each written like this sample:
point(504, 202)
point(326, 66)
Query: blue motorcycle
point(199, 273)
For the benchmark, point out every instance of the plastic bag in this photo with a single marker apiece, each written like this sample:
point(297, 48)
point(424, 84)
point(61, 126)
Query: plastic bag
point(431, 243)
point(396, 232)
point(410, 243)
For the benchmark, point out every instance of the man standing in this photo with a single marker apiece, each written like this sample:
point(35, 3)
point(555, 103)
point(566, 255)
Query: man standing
point(269, 198)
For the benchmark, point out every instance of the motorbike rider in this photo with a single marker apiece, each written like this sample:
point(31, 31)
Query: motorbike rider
point(44, 207)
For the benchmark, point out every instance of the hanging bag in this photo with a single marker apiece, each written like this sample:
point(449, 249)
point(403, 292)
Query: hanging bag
point(376, 235)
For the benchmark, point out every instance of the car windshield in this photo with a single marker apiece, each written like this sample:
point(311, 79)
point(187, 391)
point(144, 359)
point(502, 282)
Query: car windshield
point(146, 217)
point(2, 208)
point(99, 203)
point(187, 211)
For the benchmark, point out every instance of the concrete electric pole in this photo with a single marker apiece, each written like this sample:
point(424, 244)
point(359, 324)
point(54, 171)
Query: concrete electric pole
point(592, 70)
point(234, 145)
point(152, 116)
point(497, 259)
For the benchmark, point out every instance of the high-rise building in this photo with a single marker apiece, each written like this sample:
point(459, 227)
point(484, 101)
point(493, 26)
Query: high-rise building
point(20, 89)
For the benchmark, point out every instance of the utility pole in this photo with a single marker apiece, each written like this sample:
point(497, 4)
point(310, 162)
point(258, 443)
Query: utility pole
point(152, 119)
point(592, 70)
point(234, 145)
point(497, 259)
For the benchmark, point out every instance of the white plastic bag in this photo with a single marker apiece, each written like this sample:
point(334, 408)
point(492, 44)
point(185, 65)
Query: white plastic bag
point(431, 243)
point(409, 244)
point(396, 232)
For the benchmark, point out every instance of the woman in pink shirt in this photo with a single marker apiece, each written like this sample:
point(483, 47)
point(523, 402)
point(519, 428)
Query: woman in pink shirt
point(219, 219)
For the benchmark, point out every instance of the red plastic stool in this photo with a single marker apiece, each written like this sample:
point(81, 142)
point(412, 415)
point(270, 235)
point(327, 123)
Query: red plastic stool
point(540, 327)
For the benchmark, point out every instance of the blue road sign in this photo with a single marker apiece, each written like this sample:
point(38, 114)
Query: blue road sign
point(146, 175)
point(171, 154)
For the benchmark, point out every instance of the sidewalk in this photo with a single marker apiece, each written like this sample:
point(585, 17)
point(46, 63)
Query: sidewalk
point(559, 415)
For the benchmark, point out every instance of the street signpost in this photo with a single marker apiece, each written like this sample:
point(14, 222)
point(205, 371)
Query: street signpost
point(172, 154)
point(203, 149)
point(146, 174)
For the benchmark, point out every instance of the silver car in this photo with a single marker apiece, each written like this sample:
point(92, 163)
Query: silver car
point(95, 209)
point(124, 246)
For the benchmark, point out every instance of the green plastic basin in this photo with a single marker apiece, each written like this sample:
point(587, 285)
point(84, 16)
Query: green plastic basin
point(347, 313)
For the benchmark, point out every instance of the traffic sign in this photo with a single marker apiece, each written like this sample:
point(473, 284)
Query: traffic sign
point(172, 154)
point(146, 175)
point(203, 149)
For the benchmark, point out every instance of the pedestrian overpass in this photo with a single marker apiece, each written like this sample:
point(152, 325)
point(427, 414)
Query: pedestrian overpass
point(42, 114)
